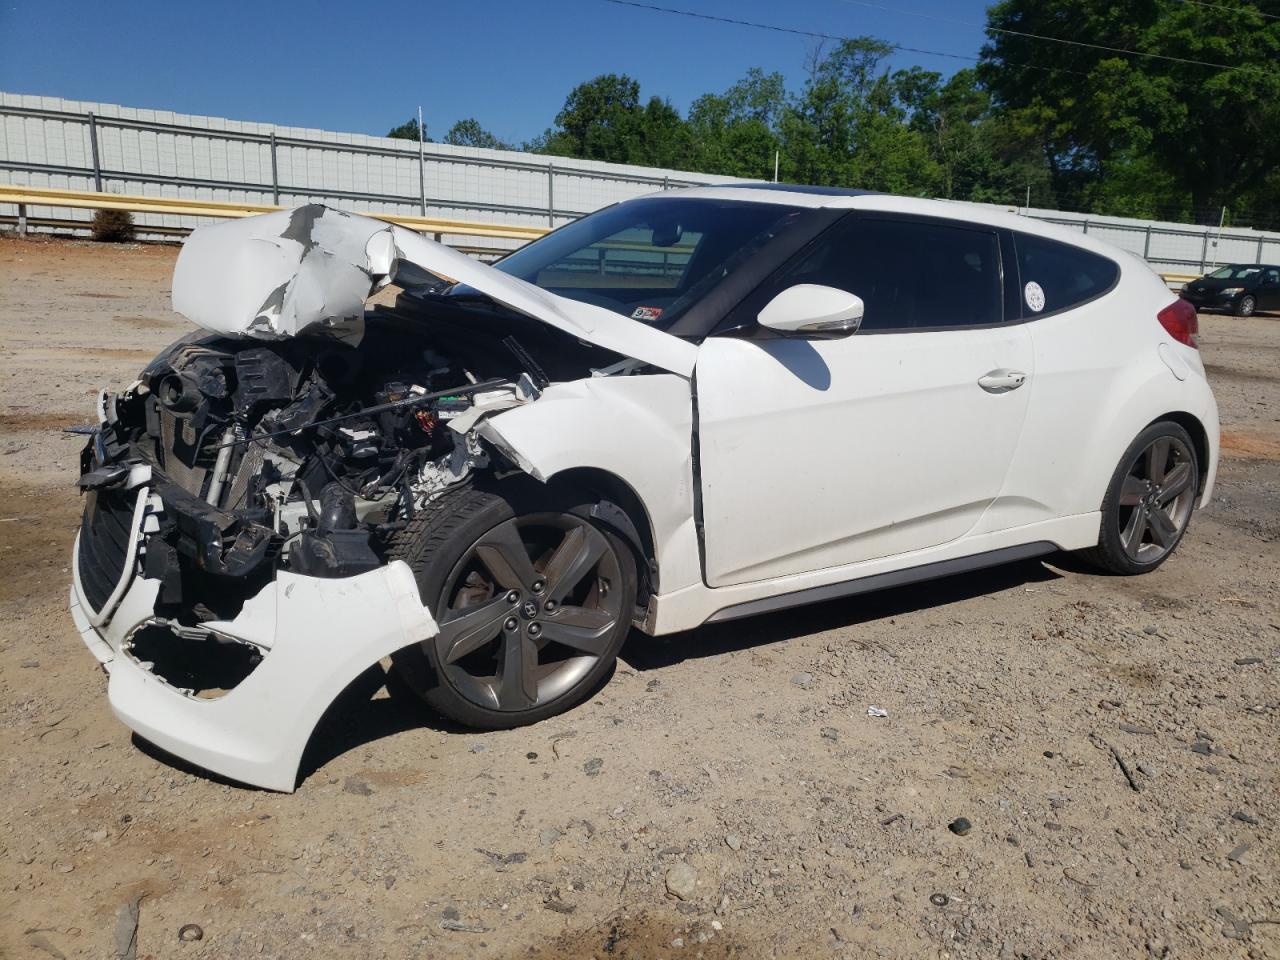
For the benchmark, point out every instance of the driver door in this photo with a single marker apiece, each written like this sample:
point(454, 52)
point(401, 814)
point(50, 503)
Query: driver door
point(818, 453)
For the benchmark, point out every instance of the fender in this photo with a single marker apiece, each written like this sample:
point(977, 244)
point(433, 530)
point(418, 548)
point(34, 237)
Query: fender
point(638, 428)
point(1152, 392)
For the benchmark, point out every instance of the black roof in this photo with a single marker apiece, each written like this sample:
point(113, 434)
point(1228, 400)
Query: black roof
point(797, 188)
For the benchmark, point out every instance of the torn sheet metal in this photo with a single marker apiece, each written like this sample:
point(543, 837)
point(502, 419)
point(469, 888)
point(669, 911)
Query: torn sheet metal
point(310, 271)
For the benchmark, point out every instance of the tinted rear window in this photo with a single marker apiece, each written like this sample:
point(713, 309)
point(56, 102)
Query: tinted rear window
point(1056, 275)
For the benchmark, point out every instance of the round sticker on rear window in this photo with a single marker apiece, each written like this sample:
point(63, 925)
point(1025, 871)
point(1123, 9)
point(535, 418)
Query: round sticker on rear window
point(1035, 296)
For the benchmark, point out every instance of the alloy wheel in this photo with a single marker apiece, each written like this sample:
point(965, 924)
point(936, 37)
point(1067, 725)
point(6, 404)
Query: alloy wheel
point(528, 611)
point(1156, 499)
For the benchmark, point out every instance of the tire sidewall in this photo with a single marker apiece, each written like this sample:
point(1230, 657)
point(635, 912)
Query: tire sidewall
point(1109, 535)
point(1247, 305)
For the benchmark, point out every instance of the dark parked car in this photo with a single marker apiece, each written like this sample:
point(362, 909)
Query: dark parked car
point(1241, 288)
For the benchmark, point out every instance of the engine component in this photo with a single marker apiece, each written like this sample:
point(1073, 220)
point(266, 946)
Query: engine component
point(301, 454)
point(335, 548)
point(337, 509)
point(263, 376)
point(179, 393)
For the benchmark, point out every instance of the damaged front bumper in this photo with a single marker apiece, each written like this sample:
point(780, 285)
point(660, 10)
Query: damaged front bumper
point(311, 638)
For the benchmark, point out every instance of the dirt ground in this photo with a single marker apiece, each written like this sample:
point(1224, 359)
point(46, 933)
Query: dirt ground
point(1017, 699)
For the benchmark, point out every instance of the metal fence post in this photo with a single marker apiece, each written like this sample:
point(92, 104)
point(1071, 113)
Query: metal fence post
point(1146, 245)
point(1258, 258)
point(422, 166)
point(275, 175)
point(93, 145)
point(1086, 227)
point(1204, 250)
point(22, 221)
point(551, 194)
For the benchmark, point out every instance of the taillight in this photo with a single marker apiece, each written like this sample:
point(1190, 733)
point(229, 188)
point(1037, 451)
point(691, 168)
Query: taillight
point(1180, 321)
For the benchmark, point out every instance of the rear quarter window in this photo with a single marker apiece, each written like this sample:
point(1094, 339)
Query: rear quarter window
point(1057, 276)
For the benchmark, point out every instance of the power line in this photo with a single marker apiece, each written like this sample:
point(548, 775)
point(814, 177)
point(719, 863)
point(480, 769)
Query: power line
point(1222, 6)
point(818, 35)
point(1063, 40)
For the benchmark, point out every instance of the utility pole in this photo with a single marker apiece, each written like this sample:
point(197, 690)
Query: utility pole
point(1217, 244)
point(422, 164)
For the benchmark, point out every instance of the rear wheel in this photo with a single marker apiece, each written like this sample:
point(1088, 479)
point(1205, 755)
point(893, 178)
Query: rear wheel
point(1148, 504)
point(1246, 305)
point(533, 598)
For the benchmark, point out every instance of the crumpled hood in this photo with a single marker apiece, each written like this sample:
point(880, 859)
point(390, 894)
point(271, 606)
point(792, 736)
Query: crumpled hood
point(311, 269)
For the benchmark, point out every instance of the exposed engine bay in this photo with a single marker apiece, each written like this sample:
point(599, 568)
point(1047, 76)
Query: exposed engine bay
point(309, 454)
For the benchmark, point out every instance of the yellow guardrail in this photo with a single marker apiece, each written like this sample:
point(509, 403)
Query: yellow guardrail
point(25, 196)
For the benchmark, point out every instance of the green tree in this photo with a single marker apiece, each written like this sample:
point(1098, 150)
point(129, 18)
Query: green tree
point(603, 119)
point(820, 132)
point(599, 120)
point(1122, 131)
point(664, 139)
point(979, 154)
point(469, 133)
point(736, 133)
point(406, 131)
point(849, 126)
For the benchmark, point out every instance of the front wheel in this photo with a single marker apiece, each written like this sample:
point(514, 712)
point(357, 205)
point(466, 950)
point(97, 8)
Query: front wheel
point(533, 599)
point(1246, 305)
point(1149, 501)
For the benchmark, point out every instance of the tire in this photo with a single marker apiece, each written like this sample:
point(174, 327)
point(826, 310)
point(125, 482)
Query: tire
point(1246, 305)
point(1149, 501)
point(533, 597)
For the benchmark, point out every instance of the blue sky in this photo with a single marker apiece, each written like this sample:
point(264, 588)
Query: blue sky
point(365, 67)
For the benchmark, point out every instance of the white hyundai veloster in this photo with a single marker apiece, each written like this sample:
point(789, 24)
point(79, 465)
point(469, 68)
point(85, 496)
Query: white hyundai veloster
point(687, 407)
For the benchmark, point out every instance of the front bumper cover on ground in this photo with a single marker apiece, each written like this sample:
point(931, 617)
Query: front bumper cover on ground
point(317, 635)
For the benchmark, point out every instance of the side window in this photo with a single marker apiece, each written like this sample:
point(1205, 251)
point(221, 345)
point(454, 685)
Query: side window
point(1271, 276)
point(910, 274)
point(1056, 275)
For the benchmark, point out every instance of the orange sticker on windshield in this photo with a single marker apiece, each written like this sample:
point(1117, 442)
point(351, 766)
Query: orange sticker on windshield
point(646, 314)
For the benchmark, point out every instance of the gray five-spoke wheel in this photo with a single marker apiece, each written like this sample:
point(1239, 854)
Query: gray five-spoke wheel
point(528, 611)
point(1156, 499)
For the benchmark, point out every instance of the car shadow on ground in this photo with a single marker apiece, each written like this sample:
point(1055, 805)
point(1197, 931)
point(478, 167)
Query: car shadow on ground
point(363, 714)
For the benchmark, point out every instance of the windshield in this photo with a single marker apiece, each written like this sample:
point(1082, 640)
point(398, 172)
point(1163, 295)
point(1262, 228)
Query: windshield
point(651, 259)
point(1236, 271)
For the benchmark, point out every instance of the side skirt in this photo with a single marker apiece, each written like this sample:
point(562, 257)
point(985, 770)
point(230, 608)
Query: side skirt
point(882, 581)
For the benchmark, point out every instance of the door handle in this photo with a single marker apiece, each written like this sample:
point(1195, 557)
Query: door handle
point(1002, 381)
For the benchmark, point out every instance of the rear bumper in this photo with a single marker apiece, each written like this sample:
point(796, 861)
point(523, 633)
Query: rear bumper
point(315, 635)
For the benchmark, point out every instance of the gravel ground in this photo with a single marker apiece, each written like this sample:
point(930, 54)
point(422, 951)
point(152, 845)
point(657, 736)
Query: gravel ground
point(1112, 744)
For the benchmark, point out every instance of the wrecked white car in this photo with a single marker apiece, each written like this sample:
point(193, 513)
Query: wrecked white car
point(656, 416)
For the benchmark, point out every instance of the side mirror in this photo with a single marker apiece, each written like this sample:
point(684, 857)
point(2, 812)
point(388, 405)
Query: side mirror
point(810, 309)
